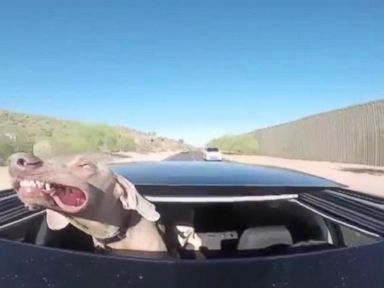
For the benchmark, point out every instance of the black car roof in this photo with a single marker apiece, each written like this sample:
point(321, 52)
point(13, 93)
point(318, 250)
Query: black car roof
point(199, 178)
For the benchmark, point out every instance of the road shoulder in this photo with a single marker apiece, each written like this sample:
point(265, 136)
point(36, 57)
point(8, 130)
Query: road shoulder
point(364, 178)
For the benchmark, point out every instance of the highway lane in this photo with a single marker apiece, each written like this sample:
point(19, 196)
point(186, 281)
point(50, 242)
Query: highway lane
point(187, 156)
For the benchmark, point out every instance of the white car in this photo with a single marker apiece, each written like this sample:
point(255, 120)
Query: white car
point(212, 154)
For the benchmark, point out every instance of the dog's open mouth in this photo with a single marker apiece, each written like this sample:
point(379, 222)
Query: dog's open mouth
point(69, 199)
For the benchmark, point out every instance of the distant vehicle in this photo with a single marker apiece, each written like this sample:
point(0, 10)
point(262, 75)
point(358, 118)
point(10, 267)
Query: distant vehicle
point(212, 154)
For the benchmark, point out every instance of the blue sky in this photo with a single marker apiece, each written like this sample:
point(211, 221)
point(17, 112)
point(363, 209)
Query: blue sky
point(189, 69)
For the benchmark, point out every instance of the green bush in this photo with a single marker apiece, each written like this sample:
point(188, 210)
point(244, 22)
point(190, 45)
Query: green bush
point(239, 144)
point(12, 140)
point(125, 143)
point(78, 138)
point(6, 149)
point(67, 137)
point(70, 138)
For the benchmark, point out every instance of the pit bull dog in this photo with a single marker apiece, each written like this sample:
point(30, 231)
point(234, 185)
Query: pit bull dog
point(92, 198)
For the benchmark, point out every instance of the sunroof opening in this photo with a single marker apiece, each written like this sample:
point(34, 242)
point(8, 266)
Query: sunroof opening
point(221, 231)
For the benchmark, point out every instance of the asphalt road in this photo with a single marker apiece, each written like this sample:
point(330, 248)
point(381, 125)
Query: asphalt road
point(187, 156)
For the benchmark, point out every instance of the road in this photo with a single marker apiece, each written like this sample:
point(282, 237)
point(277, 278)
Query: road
point(187, 156)
point(362, 178)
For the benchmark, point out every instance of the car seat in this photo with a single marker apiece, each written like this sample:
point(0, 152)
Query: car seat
point(255, 238)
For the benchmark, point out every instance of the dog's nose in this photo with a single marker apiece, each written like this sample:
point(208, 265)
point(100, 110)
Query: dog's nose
point(23, 161)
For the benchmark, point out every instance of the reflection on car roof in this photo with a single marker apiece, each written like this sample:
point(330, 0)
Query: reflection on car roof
point(199, 173)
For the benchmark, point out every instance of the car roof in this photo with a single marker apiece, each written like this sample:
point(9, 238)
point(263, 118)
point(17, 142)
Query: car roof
point(199, 178)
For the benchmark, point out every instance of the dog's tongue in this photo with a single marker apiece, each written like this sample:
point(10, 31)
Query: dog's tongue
point(71, 197)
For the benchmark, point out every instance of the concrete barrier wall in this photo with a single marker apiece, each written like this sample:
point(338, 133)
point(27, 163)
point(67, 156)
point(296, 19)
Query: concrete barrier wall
point(352, 135)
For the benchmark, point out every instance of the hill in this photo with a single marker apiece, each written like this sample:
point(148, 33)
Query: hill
point(22, 132)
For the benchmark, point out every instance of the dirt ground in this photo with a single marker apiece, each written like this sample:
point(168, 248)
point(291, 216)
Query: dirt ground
point(130, 157)
point(368, 179)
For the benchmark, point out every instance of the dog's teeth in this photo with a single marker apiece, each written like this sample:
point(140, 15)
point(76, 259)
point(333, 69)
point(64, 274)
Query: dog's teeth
point(47, 187)
point(33, 184)
point(40, 184)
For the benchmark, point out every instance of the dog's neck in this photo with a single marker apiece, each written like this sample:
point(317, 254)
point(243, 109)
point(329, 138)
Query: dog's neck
point(143, 236)
point(138, 235)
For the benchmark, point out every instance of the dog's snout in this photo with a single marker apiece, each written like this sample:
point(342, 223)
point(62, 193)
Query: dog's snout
point(24, 161)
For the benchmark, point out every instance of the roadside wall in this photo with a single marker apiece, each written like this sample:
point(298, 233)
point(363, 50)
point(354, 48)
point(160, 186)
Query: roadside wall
point(350, 135)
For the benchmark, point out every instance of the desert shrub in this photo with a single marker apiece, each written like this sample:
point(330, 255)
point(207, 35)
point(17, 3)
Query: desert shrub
point(240, 144)
point(6, 149)
point(12, 140)
point(77, 138)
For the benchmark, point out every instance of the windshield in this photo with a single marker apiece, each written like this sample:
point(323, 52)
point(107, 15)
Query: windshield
point(212, 150)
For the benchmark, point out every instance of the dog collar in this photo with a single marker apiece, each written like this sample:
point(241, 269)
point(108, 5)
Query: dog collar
point(120, 234)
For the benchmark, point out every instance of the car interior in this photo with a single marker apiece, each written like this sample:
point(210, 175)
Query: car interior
point(227, 230)
point(256, 229)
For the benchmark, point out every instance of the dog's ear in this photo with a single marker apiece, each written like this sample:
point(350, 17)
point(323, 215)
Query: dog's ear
point(55, 220)
point(132, 200)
